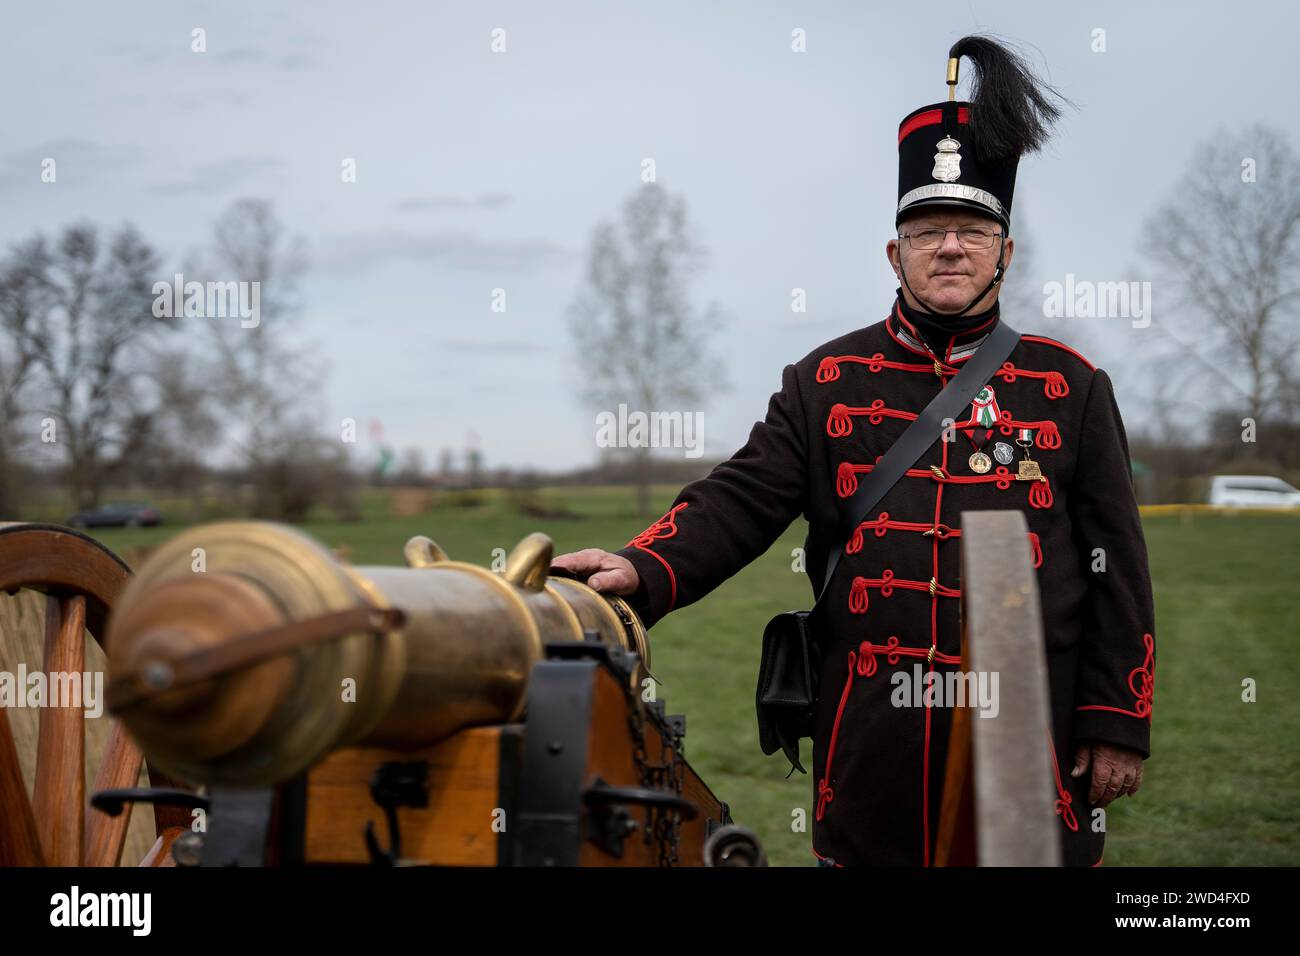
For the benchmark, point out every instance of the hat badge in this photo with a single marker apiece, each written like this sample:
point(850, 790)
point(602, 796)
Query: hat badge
point(947, 162)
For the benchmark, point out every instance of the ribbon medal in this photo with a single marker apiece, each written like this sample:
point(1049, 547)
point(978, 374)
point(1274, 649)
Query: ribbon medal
point(1029, 470)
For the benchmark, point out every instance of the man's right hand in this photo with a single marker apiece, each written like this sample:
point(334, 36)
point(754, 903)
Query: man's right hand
point(609, 572)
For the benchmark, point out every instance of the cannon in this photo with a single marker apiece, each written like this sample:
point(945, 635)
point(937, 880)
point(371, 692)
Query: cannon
point(314, 712)
point(296, 709)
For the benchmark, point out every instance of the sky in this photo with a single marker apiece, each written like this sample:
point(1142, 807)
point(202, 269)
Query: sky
point(479, 170)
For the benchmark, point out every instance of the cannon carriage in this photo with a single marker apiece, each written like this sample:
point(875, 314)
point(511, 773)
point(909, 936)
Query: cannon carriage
point(294, 709)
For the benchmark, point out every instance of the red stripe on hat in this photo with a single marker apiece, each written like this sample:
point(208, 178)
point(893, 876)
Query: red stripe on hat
point(929, 118)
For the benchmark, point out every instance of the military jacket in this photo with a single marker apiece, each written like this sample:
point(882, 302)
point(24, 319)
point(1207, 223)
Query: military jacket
point(894, 599)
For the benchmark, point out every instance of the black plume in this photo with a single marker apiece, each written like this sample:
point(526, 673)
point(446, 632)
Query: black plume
point(1011, 110)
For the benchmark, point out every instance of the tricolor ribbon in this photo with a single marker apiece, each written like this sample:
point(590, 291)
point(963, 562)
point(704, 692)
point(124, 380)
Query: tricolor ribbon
point(985, 412)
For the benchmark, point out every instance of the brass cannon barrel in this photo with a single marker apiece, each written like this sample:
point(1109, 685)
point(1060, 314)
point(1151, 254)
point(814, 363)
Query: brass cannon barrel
point(244, 652)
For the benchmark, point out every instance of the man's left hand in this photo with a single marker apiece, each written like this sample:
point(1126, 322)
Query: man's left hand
point(1116, 770)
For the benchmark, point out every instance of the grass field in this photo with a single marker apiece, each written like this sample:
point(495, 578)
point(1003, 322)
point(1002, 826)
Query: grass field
point(1222, 786)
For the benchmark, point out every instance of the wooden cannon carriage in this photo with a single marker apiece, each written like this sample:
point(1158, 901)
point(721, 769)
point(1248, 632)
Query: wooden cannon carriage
point(320, 713)
point(294, 709)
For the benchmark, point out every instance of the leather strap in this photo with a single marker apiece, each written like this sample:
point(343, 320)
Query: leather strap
point(920, 435)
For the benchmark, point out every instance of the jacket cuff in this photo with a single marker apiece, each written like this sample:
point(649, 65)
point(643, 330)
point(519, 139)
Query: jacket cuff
point(1113, 727)
point(653, 597)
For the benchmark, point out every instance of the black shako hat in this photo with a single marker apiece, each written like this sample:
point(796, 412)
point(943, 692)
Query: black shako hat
point(965, 154)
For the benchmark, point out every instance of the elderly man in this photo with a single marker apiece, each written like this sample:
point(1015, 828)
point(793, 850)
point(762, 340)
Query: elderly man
point(1048, 415)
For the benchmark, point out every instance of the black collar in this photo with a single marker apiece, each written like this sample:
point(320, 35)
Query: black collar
point(941, 332)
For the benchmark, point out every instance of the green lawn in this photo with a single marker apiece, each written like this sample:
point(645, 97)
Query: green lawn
point(1222, 786)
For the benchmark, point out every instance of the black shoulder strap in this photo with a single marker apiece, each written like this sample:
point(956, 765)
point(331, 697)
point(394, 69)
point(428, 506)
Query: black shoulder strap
point(920, 435)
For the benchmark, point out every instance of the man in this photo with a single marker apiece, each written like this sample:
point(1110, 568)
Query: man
point(1048, 416)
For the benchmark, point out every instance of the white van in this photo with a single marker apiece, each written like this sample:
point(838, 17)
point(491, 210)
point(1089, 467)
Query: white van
point(1252, 491)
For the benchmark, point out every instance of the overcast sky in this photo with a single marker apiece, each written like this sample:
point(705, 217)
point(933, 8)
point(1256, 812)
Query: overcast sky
point(478, 170)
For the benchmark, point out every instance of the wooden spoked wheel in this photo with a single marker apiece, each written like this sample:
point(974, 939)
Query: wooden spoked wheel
point(81, 579)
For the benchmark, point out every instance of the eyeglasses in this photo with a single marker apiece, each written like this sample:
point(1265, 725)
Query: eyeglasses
point(970, 238)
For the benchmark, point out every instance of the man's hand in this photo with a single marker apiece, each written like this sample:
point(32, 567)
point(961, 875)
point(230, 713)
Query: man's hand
point(609, 572)
point(1116, 770)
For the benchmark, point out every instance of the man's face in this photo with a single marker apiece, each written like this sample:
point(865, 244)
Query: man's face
point(949, 276)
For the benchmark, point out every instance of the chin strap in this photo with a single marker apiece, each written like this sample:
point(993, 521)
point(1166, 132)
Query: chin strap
point(997, 277)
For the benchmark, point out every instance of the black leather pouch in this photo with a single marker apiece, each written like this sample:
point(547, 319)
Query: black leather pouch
point(789, 673)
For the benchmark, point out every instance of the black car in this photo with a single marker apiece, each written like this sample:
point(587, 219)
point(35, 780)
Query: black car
point(118, 514)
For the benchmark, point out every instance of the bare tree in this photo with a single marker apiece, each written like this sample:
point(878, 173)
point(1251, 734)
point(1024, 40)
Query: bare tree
point(1228, 243)
point(85, 310)
point(23, 295)
point(266, 375)
point(263, 374)
point(171, 427)
point(307, 469)
point(637, 337)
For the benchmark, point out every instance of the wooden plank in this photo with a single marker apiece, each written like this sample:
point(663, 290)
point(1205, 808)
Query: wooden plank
point(455, 830)
point(1009, 809)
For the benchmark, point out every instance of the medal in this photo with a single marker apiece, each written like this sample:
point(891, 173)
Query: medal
point(1003, 453)
point(1029, 471)
point(1028, 468)
point(980, 462)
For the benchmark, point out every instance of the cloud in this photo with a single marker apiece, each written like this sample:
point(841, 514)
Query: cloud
point(176, 48)
point(252, 55)
point(78, 161)
point(129, 50)
point(197, 102)
point(224, 175)
point(512, 346)
point(461, 251)
point(454, 203)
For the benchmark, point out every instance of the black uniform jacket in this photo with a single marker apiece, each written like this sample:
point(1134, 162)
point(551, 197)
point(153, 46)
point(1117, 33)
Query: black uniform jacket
point(894, 601)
